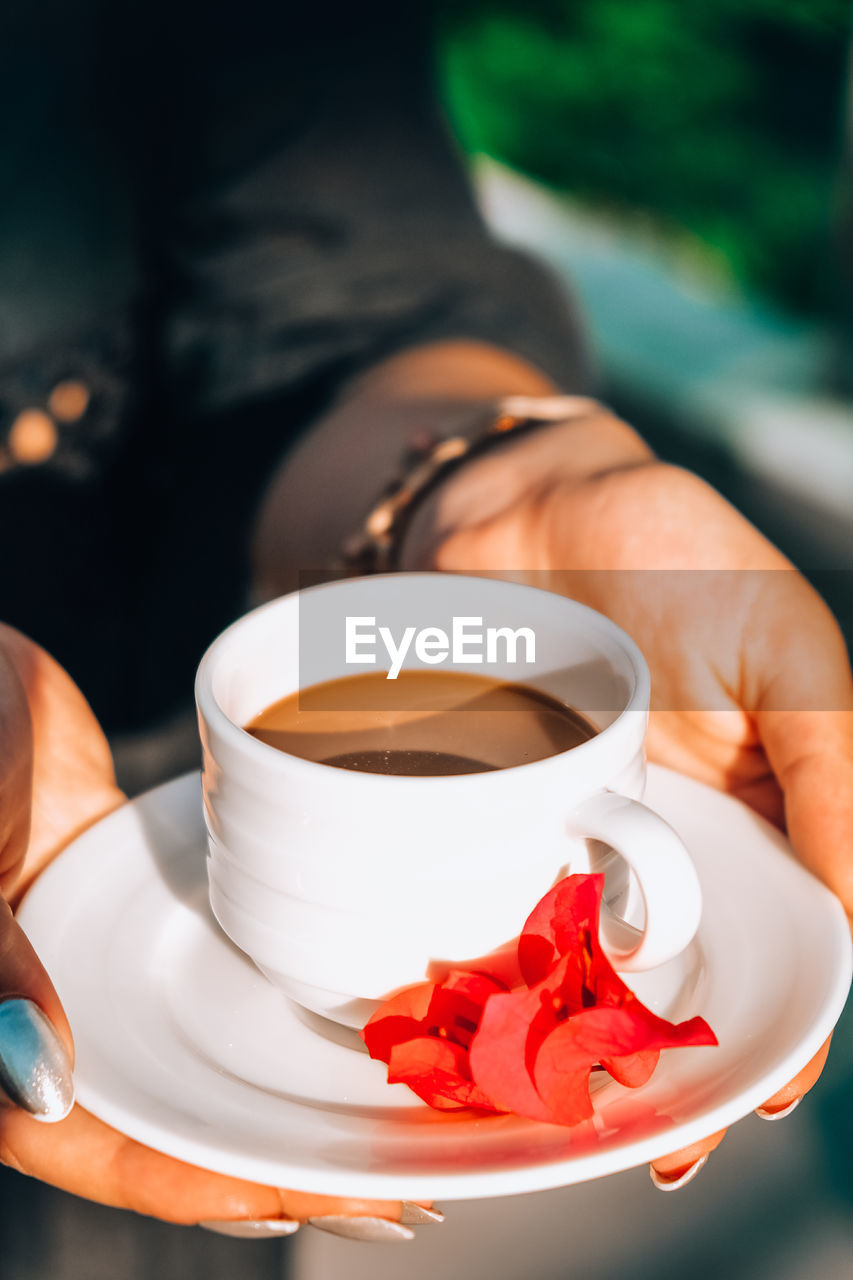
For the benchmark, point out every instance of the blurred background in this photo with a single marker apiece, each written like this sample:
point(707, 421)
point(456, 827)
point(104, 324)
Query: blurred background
point(687, 169)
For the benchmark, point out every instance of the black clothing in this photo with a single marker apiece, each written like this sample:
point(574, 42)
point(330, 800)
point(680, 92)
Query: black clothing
point(212, 217)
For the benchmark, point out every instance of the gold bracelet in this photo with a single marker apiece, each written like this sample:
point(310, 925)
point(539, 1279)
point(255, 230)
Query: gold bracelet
point(430, 459)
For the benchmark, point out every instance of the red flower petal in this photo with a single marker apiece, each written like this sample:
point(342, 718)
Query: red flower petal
point(498, 1056)
point(512, 1029)
point(467, 1041)
point(423, 1033)
point(436, 1070)
point(535, 1049)
point(501, 965)
point(400, 1018)
point(566, 1056)
point(472, 986)
point(632, 1069)
point(457, 1006)
point(558, 923)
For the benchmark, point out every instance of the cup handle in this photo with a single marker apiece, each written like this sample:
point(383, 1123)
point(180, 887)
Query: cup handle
point(665, 874)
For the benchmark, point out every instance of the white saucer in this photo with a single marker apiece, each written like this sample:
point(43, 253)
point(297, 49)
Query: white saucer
point(182, 1044)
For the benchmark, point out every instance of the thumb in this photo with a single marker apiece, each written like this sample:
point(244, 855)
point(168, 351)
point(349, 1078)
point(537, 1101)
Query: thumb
point(36, 1049)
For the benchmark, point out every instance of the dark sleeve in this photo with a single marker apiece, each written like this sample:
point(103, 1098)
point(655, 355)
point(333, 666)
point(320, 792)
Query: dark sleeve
point(319, 217)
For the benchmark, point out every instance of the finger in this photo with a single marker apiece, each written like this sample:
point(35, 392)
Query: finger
point(805, 720)
point(799, 1086)
point(16, 776)
point(673, 1168)
point(305, 1205)
point(48, 729)
point(88, 1158)
point(22, 974)
point(812, 756)
point(36, 1049)
point(376, 1221)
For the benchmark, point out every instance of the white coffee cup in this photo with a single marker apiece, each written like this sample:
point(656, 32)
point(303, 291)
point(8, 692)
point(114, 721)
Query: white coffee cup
point(343, 886)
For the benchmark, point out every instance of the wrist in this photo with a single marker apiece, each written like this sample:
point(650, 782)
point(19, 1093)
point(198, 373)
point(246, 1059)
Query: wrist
point(519, 475)
point(429, 465)
point(321, 492)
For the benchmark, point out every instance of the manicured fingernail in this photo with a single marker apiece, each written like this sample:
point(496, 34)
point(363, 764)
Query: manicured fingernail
point(252, 1228)
point(35, 1072)
point(375, 1230)
point(780, 1113)
point(675, 1184)
point(415, 1215)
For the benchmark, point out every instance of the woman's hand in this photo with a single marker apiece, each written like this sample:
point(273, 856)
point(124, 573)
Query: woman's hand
point(751, 686)
point(56, 778)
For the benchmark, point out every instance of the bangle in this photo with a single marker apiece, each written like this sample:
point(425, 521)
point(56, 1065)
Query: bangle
point(428, 461)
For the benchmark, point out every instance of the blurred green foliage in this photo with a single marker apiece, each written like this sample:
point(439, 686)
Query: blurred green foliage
point(721, 120)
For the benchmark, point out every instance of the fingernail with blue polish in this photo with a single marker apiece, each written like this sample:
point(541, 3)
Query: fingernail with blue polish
point(35, 1072)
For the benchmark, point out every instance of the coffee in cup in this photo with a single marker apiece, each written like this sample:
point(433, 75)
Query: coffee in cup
point(422, 724)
